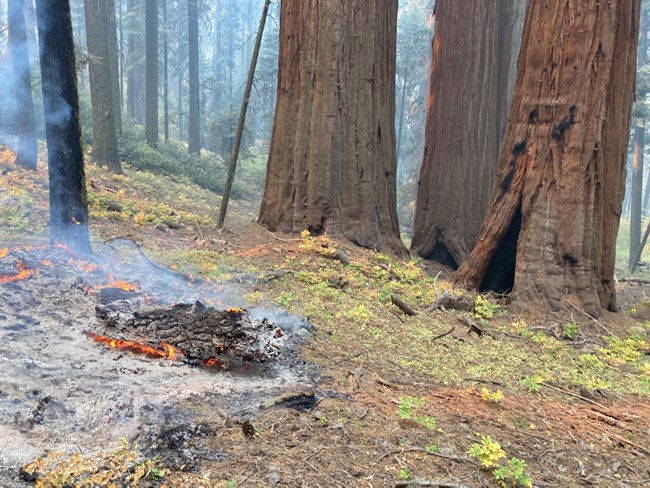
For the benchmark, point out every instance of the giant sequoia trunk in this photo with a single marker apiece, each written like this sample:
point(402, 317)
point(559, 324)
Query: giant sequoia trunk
point(332, 165)
point(551, 226)
point(98, 37)
point(65, 159)
point(473, 46)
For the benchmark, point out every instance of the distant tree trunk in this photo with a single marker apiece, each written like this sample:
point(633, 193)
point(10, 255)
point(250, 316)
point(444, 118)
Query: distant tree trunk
point(166, 74)
point(25, 123)
point(151, 73)
point(113, 60)
point(179, 107)
point(135, 73)
point(332, 164)
point(552, 223)
point(242, 118)
point(130, 59)
point(68, 200)
point(468, 103)
point(194, 134)
point(105, 149)
point(402, 110)
point(637, 190)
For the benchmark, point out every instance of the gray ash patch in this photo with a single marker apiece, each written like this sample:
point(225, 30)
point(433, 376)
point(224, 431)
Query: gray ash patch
point(60, 391)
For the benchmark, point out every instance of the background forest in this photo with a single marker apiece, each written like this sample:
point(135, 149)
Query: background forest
point(226, 34)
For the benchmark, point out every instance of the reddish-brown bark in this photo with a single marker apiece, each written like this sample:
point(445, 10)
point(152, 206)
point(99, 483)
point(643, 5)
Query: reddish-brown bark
point(562, 165)
point(469, 95)
point(332, 163)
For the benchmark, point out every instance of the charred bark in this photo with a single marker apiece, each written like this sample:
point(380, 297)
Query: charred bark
point(332, 163)
point(25, 123)
point(468, 102)
point(68, 199)
point(201, 333)
point(562, 163)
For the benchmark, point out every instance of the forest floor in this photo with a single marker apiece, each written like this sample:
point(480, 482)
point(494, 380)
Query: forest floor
point(441, 398)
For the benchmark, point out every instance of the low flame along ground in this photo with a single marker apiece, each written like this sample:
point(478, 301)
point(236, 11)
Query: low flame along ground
point(166, 350)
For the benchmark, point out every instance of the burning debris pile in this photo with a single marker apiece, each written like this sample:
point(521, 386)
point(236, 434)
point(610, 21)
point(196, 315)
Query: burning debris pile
point(197, 334)
point(62, 391)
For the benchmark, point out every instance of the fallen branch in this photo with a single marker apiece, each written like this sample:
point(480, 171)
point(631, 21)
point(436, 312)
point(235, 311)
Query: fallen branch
point(439, 484)
point(625, 441)
point(634, 281)
point(402, 305)
point(564, 299)
point(480, 380)
point(276, 237)
point(430, 453)
point(575, 395)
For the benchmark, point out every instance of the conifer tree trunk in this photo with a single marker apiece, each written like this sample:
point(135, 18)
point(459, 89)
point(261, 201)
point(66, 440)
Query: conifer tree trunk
point(151, 73)
point(68, 199)
point(98, 36)
point(552, 222)
point(637, 191)
point(332, 164)
point(194, 127)
point(113, 60)
point(25, 125)
point(468, 103)
point(165, 74)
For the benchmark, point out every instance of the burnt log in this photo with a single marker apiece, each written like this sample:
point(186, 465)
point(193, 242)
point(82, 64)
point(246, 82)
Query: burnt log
point(202, 335)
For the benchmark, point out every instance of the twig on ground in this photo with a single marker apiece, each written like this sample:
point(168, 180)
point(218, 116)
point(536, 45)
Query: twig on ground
point(440, 336)
point(439, 484)
point(575, 395)
point(596, 321)
point(481, 380)
point(430, 453)
point(276, 237)
point(397, 315)
point(625, 441)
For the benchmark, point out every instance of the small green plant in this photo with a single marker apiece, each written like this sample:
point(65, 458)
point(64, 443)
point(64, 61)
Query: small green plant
point(404, 474)
point(533, 383)
point(570, 330)
point(488, 452)
point(514, 472)
point(285, 299)
point(491, 398)
point(431, 448)
point(483, 308)
point(408, 407)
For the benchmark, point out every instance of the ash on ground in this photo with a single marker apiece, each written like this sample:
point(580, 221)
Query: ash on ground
point(61, 391)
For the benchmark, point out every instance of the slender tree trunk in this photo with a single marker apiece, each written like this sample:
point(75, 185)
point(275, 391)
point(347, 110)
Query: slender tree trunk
point(637, 189)
point(401, 112)
point(130, 59)
point(179, 107)
point(151, 73)
point(561, 172)
point(194, 134)
point(166, 74)
point(113, 62)
point(98, 36)
point(242, 118)
point(332, 163)
point(25, 122)
point(121, 57)
point(639, 250)
point(68, 200)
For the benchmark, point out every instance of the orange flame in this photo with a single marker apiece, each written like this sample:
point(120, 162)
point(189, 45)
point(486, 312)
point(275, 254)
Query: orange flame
point(168, 351)
point(113, 283)
point(3, 252)
point(47, 262)
point(235, 310)
point(214, 363)
point(23, 274)
point(83, 265)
